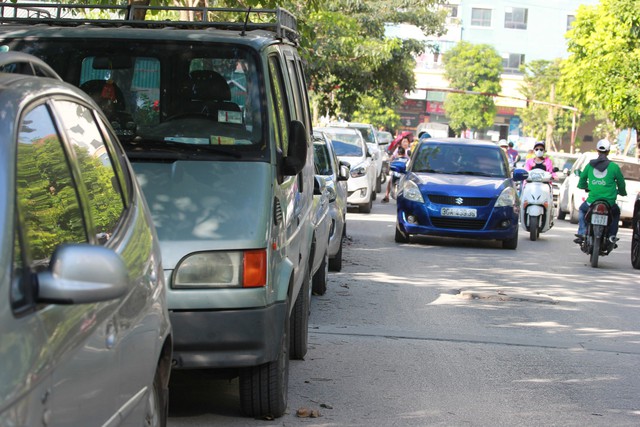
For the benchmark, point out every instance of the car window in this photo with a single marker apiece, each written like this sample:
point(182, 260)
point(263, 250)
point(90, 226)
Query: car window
point(186, 97)
point(346, 146)
point(630, 171)
point(47, 200)
point(279, 108)
point(459, 160)
point(322, 160)
point(96, 167)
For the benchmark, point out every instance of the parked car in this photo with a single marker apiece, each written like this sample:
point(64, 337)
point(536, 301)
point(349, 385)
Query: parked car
point(635, 236)
point(216, 122)
point(351, 148)
point(458, 188)
point(562, 163)
point(336, 174)
point(377, 152)
point(571, 197)
point(321, 221)
point(85, 335)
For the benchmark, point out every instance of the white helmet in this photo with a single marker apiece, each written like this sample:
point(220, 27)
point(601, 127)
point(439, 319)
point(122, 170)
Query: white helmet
point(603, 145)
point(503, 143)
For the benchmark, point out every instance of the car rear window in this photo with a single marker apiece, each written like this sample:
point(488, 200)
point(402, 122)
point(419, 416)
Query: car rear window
point(630, 171)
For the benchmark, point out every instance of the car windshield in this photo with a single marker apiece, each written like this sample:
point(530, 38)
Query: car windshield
point(321, 159)
point(163, 97)
point(346, 143)
point(459, 159)
point(562, 162)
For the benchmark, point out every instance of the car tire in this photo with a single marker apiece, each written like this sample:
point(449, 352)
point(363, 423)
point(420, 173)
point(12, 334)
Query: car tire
point(510, 243)
point(264, 388)
point(335, 263)
point(635, 242)
point(158, 403)
point(366, 207)
point(299, 336)
point(561, 214)
point(379, 183)
point(573, 213)
point(319, 281)
point(401, 236)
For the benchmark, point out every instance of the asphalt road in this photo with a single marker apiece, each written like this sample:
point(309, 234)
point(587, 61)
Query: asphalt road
point(449, 332)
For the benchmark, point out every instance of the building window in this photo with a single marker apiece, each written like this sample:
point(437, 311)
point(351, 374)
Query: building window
point(570, 19)
point(480, 17)
point(453, 10)
point(515, 17)
point(512, 62)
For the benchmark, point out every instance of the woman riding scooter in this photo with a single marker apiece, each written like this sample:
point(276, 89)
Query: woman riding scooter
point(540, 161)
point(537, 210)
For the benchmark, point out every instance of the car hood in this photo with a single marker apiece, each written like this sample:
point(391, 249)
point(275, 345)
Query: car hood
point(202, 205)
point(462, 185)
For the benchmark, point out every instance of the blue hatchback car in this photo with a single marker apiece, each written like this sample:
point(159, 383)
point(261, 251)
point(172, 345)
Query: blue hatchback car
point(458, 188)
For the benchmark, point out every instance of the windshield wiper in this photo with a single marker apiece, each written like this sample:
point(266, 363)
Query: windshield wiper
point(162, 149)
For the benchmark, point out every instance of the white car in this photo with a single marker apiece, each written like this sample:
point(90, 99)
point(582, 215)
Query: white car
point(571, 197)
point(351, 148)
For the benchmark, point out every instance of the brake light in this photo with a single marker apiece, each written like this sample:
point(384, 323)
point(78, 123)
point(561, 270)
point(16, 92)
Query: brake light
point(254, 269)
point(601, 209)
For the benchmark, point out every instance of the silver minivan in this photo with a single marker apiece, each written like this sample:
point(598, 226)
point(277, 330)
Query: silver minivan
point(212, 110)
point(85, 338)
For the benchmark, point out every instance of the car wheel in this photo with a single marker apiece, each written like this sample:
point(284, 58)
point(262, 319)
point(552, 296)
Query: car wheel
point(573, 213)
point(635, 242)
point(157, 404)
point(379, 183)
point(264, 388)
point(300, 320)
point(511, 243)
point(319, 281)
point(401, 236)
point(335, 263)
point(561, 214)
point(366, 207)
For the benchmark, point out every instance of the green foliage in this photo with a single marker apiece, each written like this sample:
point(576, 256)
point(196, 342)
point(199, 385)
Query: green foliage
point(539, 78)
point(377, 112)
point(477, 68)
point(604, 46)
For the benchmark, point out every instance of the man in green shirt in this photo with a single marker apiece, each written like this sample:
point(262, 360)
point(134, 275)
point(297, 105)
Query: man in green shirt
point(603, 179)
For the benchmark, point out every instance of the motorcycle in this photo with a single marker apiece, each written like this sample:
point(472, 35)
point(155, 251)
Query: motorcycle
point(536, 203)
point(596, 242)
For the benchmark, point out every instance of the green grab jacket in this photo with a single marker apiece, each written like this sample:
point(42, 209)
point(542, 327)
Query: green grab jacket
point(603, 185)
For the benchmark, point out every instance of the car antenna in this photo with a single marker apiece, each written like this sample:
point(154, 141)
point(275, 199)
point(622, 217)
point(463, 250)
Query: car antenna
point(246, 20)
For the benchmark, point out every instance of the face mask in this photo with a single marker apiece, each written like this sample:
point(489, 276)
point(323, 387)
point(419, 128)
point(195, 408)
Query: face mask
point(539, 153)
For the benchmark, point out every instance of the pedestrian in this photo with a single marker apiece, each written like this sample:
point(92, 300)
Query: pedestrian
point(401, 155)
point(604, 180)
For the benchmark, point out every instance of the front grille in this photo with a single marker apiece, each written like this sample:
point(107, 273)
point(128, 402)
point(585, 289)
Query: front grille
point(458, 223)
point(453, 200)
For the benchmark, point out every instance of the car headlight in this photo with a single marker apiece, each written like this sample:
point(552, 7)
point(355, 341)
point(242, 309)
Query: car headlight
point(411, 191)
point(358, 171)
point(508, 197)
point(222, 270)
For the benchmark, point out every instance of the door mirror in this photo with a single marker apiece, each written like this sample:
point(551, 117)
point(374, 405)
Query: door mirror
point(344, 171)
point(297, 152)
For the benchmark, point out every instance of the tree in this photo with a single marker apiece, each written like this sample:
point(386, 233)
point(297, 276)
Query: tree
point(604, 62)
point(472, 68)
point(541, 83)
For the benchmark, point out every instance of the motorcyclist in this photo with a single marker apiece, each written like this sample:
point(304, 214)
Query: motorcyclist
point(540, 161)
point(603, 179)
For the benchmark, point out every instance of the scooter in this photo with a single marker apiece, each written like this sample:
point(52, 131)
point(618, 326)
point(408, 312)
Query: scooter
point(596, 242)
point(536, 204)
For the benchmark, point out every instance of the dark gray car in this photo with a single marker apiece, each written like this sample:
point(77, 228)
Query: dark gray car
point(84, 328)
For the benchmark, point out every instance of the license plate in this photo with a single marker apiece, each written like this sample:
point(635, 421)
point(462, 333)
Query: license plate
point(597, 219)
point(460, 212)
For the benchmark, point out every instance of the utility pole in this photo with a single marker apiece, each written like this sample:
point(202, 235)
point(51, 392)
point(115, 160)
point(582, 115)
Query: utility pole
point(550, 120)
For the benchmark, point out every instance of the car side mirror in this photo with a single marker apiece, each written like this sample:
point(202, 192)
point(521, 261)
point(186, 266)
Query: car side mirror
point(83, 274)
point(344, 171)
point(319, 185)
point(398, 166)
point(520, 174)
point(556, 169)
point(297, 152)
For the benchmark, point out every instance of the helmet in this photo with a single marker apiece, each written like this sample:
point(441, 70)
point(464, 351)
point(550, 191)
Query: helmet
point(603, 145)
point(538, 144)
point(511, 144)
point(503, 143)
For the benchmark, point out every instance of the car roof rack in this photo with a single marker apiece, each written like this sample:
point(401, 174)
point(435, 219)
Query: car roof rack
point(280, 21)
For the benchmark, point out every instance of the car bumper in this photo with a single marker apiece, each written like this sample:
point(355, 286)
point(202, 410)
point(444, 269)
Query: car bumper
point(358, 190)
point(415, 218)
point(227, 338)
